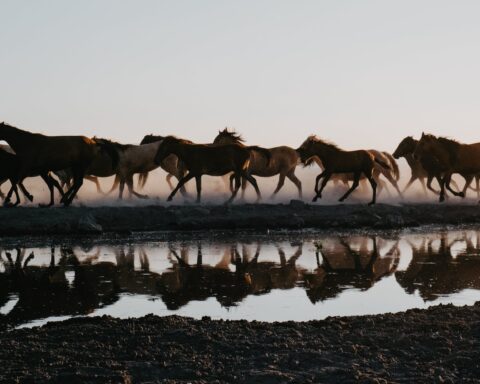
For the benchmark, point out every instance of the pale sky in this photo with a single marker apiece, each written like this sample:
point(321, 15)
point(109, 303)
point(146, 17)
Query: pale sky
point(363, 74)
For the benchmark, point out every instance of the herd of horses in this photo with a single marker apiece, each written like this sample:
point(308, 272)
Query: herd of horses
point(63, 162)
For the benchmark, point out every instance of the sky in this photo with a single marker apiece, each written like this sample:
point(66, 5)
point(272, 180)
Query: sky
point(363, 74)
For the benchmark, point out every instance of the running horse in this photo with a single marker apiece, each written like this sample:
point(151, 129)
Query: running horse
point(205, 159)
point(283, 161)
point(452, 157)
point(336, 160)
point(39, 154)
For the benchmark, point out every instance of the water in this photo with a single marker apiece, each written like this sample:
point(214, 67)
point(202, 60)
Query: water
point(301, 277)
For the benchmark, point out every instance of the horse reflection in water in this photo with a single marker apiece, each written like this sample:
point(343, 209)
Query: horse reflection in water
point(45, 291)
point(342, 267)
point(74, 282)
point(434, 271)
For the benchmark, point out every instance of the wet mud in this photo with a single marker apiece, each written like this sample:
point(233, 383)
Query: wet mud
point(440, 344)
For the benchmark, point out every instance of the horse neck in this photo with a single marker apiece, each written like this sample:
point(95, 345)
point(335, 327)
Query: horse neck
point(15, 137)
point(325, 151)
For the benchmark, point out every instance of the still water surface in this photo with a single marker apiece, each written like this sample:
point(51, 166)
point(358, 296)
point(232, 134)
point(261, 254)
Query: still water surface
point(308, 277)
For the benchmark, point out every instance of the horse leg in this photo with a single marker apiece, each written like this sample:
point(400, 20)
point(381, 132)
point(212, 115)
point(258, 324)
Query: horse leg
point(48, 181)
point(422, 181)
point(394, 183)
point(237, 187)
point(356, 182)
point(168, 178)
point(296, 181)
point(374, 190)
point(181, 182)
point(459, 194)
point(252, 181)
point(429, 184)
point(77, 184)
point(281, 182)
point(468, 181)
point(317, 180)
point(477, 181)
point(94, 179)
point(244, 187)
point(230, 182)
point(198, 180)
point(116, 181)
point(12, 189)
point(121, 188)
point(326, 176)
point(28, 195)
point(446, 179)
point(131, 189)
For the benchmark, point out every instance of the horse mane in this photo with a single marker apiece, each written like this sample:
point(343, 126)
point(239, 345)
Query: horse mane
point(236, 137)
point(450, 145)
point(117, 145)
point(151, 138)
point(316, 139)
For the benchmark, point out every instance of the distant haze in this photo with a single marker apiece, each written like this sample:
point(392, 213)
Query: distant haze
point(360, 73)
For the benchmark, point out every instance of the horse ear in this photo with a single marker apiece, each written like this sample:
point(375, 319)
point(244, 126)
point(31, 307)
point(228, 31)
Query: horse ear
point(423, 134)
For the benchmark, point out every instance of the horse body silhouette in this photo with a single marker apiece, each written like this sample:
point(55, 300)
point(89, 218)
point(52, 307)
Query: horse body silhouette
point(283, 161)
point(336, 160)
point(201, 159)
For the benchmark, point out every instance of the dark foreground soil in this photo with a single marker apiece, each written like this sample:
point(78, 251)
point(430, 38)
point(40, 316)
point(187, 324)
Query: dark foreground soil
point(295, 215)
point(441, 344)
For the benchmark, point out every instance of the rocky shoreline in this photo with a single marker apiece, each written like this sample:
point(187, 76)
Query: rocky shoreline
point(295, 215)
point(440, 344)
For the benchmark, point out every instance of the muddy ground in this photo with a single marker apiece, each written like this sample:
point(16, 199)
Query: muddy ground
point(295, 215)
point(441, 344)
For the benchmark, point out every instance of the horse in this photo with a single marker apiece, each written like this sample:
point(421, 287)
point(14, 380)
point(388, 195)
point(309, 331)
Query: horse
point(170, 164)
point(283, 161)
point(392, 174)
point(452, 157)
point(336, 160)
point(425, 167)
point(202, 159)
point(40, 154)
point(132, 159)
point(9, 150)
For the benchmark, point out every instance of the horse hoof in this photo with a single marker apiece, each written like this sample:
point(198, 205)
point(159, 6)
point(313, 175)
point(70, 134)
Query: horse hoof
point(169, 198)
point(462, 195)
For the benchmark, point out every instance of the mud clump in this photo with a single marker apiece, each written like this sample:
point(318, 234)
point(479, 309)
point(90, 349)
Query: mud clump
point(440, 344)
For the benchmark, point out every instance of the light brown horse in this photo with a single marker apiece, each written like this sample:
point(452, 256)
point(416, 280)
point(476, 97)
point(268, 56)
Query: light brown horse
point(283, 161)
point(453, 157)
point(336, 160)
point(40, 154)
point(201, 159)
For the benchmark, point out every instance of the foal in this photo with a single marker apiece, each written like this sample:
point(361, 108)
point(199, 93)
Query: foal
point(202, 159)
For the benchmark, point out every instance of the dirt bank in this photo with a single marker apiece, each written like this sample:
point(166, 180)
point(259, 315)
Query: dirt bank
point(296, 215)
point(441, 344)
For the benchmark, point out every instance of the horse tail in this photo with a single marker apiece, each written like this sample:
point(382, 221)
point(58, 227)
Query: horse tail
point(115, 184)
point(394, 166)
point(382, 163)
point(142, 179)
point(264, 151)
point(111, 150)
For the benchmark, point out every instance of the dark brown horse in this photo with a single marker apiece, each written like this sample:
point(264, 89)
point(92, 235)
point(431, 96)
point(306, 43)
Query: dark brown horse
point(427, 166)
point(40, 154)
point(283, 161)
point(201, 159)
point(452, 157)
point(170, 164)
point(336, 160)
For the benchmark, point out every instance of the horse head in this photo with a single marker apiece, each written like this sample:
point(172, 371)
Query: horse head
point(406, 147)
